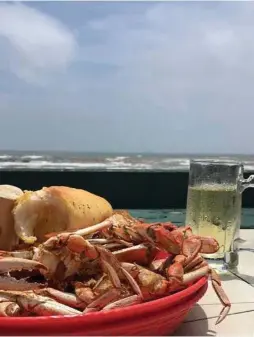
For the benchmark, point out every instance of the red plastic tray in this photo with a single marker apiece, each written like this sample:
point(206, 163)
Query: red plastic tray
point(155, 318)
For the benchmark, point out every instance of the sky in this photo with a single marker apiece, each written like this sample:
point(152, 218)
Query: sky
point(164, 77)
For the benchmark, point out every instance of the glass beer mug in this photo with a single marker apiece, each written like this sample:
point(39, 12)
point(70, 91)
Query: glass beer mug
point(214, 206)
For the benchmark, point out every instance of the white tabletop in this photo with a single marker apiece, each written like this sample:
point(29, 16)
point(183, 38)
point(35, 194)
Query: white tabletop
point(240, 290)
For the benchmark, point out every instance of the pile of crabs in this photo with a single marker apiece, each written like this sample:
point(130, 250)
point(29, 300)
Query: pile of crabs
point(108, 265)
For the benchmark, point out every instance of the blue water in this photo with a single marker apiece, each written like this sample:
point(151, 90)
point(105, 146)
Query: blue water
point(108, 162)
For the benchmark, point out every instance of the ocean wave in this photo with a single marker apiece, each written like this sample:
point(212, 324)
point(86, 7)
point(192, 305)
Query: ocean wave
point(108, 162)
point(177, 161)
point(31, 157)
point(73, 165)
point(116, 159)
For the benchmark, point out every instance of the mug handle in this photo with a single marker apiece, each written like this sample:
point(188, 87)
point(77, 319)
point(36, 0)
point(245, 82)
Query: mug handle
point(247, 183)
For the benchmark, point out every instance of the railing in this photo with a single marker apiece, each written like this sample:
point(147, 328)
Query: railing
point(135, 190)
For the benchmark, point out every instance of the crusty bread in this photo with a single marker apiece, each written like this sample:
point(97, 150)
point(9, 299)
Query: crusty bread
point(55, 209)
point(8, 195)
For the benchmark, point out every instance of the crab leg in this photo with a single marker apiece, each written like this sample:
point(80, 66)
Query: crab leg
point(110, 243)
point(124, 302)
point(190, 248)
point(11, 283)
point(216, 283)
point(132, 282)
point(40, 305)
point(113, 246)
point(85, 231)
point(200, 265)
point(45, 307)
point(8, 308)
point(195, 275)
point(123, 242)
point(15, 263)
point(192, 264)
point(100, 302)
point(98, 241)
point(157, 265)
point(62, 297)
point(141, 254)
point(112, 274)
point(24, 254)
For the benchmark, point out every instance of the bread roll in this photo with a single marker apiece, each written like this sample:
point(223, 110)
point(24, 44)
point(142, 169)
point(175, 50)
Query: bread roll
point(55, 209)
point(8, 195)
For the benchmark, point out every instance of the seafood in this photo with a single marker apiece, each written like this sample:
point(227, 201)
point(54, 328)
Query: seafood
point(165, 236)
point(104, 266)
point(30, 302)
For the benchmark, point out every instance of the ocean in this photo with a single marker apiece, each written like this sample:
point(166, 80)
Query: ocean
point(107, 161)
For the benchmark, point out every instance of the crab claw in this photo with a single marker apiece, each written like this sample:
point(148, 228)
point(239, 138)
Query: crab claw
point(11, 283)
point(209, 245)
point(9, 309)
point(15, 263)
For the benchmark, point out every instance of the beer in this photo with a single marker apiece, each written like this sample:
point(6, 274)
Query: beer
point(214, 210)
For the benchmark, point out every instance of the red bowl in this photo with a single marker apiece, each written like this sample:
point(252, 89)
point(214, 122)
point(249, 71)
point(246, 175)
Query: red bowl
point(156, 318)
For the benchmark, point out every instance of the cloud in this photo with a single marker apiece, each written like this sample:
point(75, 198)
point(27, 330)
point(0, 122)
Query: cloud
point(168, 77)
point(34, 45)
point(186, 66)
point(175, 48)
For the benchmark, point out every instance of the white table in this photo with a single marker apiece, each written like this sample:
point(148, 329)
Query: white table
point(240, 290)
